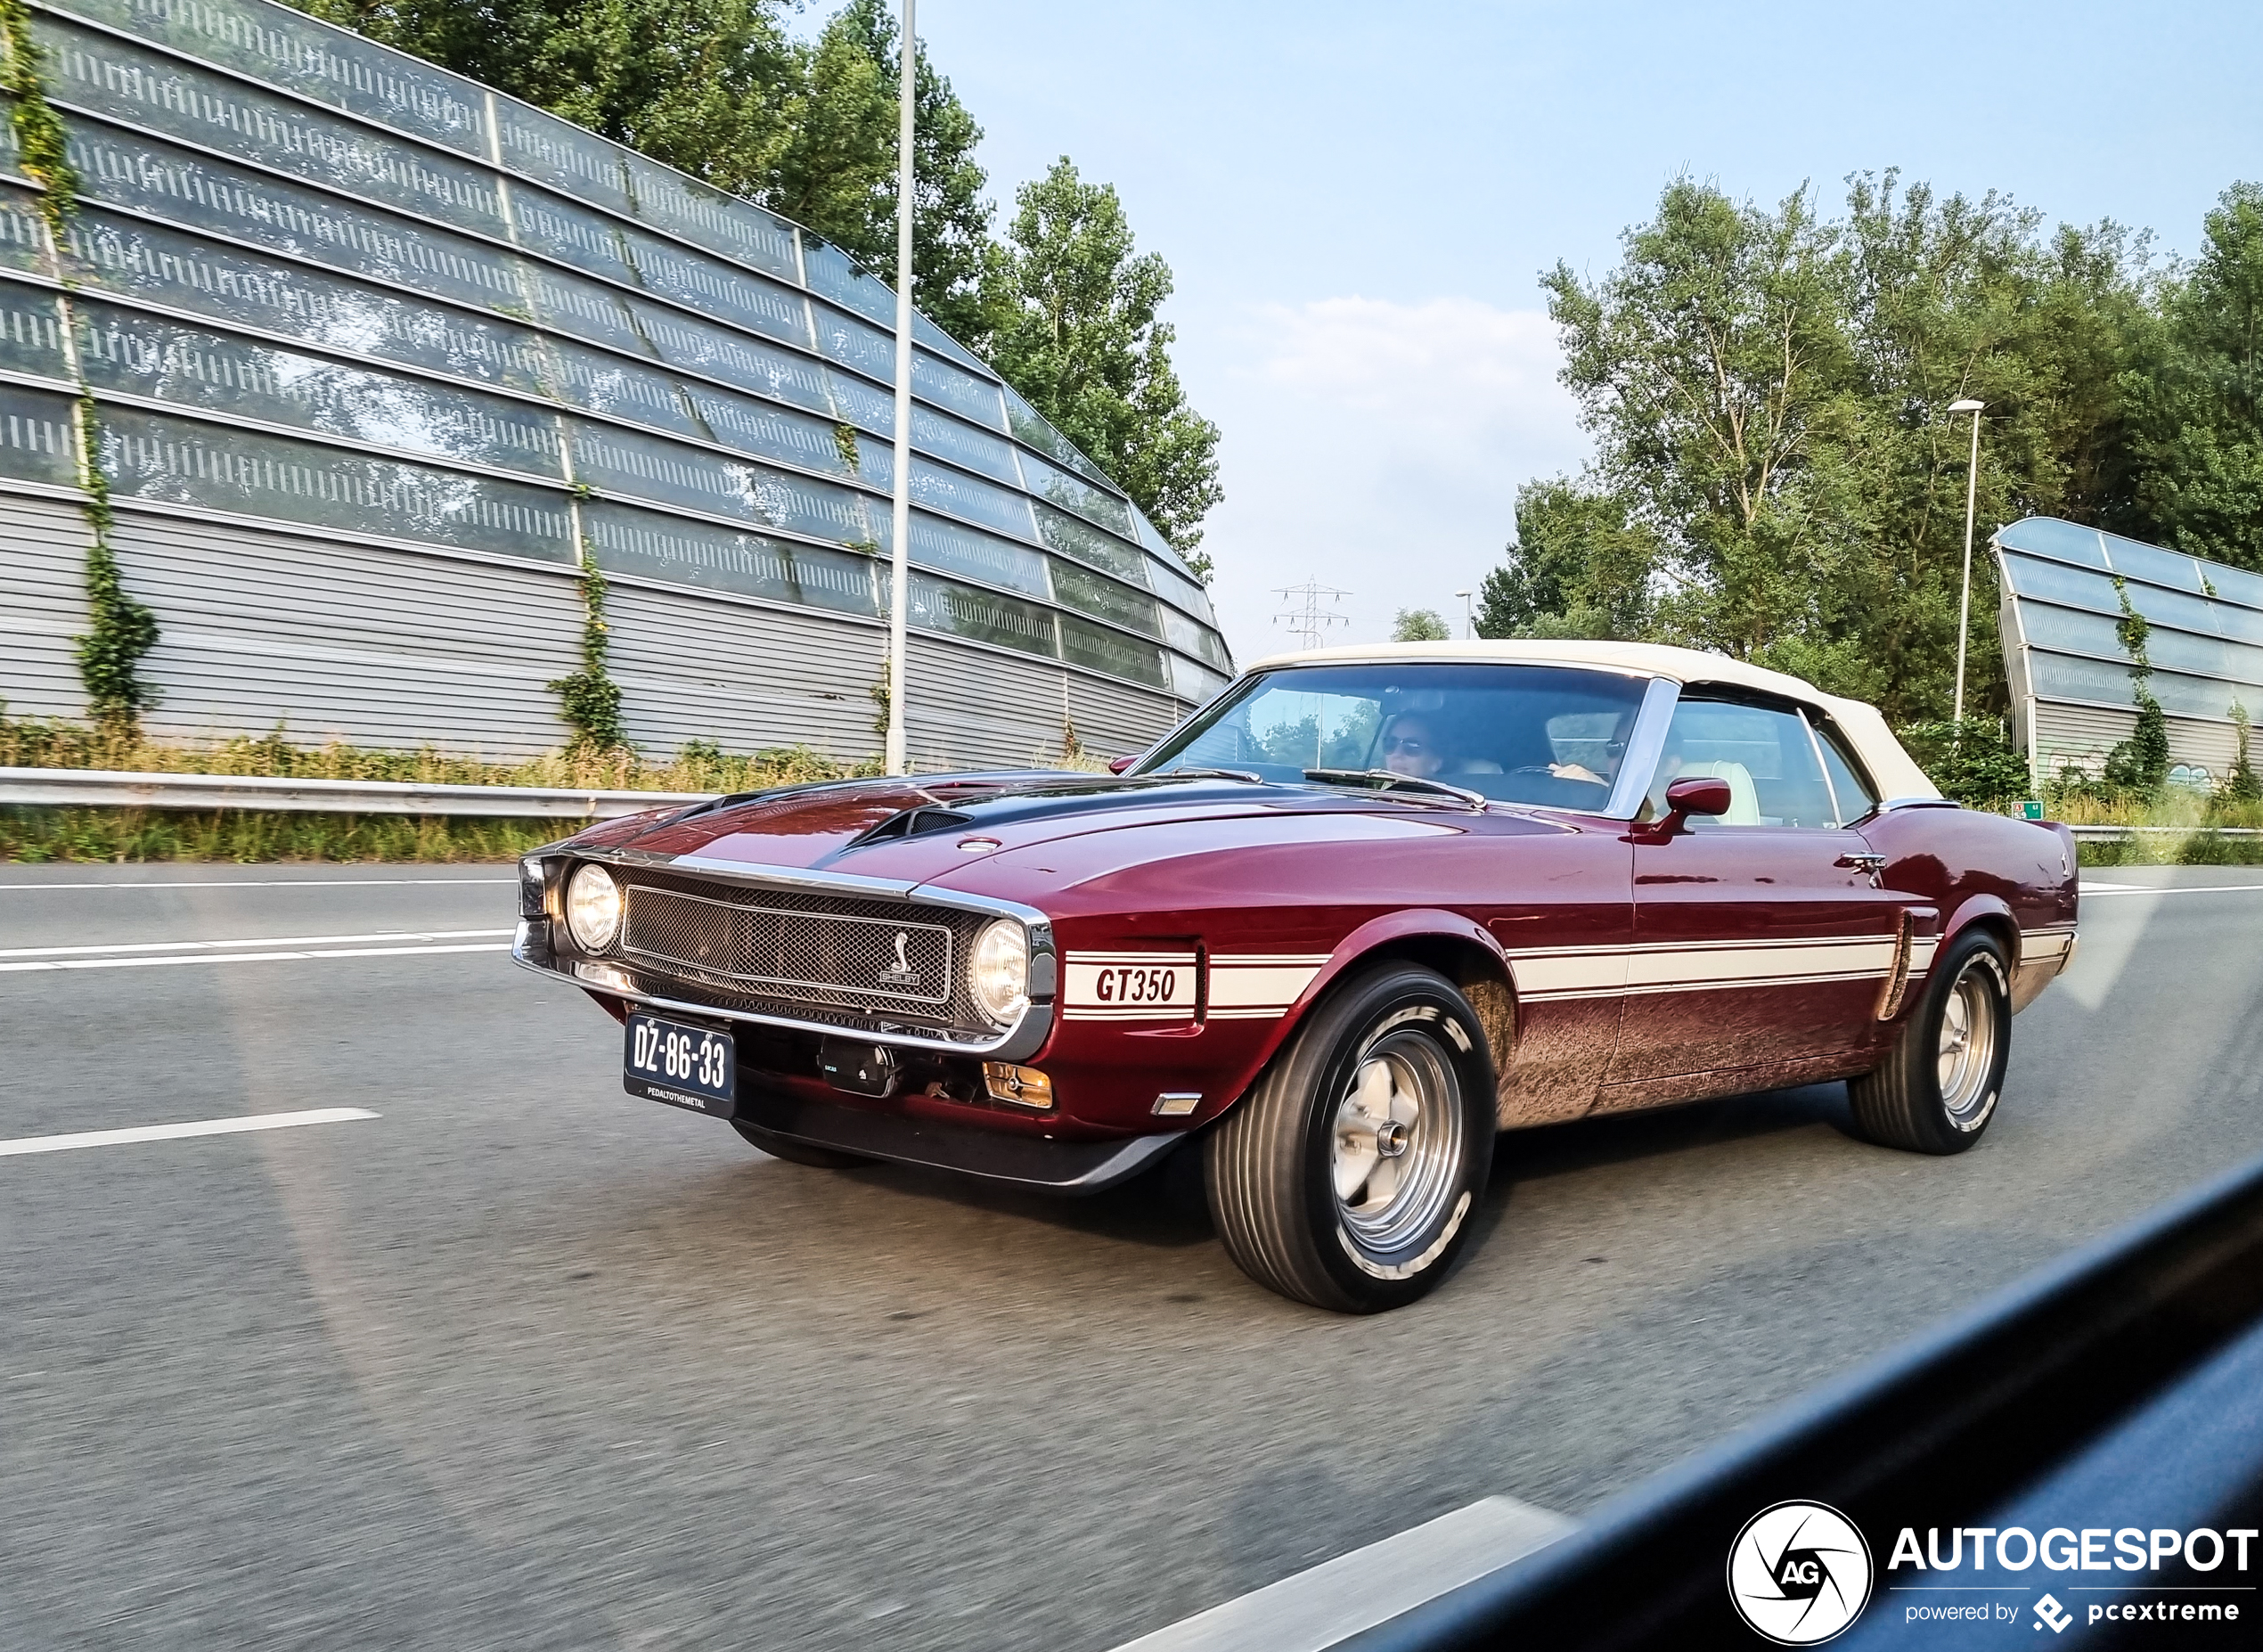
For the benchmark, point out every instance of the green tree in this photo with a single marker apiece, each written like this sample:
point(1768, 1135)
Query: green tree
point(2199, 402)
point(1419, 625)
point(1580, 567)
point(1076, 330)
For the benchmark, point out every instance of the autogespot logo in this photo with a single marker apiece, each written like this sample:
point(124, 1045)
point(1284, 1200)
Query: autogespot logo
point(1798, 1572)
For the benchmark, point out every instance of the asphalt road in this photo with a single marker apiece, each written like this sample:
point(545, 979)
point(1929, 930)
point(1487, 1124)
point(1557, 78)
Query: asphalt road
point(523, 1363)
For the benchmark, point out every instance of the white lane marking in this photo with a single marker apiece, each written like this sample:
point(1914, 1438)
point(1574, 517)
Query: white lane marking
point(175, 1132)
point(257, 940)
point(2173, 888)
point(275, 883)
point(1340, 1597)
point(212, 957)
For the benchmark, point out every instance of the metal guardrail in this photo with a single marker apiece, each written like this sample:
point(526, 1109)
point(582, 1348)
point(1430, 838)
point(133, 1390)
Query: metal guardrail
point(116, 788)
point(2116, 1387)
point(2107, 834)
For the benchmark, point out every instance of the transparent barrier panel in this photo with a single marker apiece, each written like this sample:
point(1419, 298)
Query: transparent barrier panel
point(23, 241)
point(555, 227)
point(935, 604)
point(1201, 640)
point(2032, 576)
point(949, 438)
point(1102, 650)
point(2048, 537)
point(2197, 697)
point(2178, 650)
point(556, 151)
point(2065, 628)
point(156, 456)
point(2237, 584)
point(2173, 608)
point(938, 381)
point(328, 65)
point(867, 406)
point(153, 93)
point(1103, 599)
point(172, 184)
point(649, 467)
point(37, 440)
point(31, 333)
point(767, 431)
point(699, 347)
point(953, 549)
point(2059, 676)
point(629, 541)
point(941, 489)
point(187, 272)
point(738, 229)
point(2150, 562)
point(833, 274)
point(1175, 587)
point(1031, 427)
point(1189, 681)
point(710, 286)
point(845, 340)
point(1087, 543)
point(121, 350)
point(1072, 494)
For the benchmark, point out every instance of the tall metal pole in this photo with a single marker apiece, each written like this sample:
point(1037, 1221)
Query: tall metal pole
point(900, 543)
point(1964, 605)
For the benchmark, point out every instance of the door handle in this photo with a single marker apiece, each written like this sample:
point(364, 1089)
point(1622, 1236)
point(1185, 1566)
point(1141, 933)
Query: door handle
point(1871, 866)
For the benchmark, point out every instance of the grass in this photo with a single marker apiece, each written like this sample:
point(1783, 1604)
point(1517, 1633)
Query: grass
point(2192, 817)
point(250, 835)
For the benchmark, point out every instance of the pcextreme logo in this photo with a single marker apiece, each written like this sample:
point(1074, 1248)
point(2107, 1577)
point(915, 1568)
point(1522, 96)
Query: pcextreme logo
point(1798, 1572)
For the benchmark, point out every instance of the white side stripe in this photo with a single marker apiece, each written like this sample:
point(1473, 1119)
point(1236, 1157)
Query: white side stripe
point(175, 1132)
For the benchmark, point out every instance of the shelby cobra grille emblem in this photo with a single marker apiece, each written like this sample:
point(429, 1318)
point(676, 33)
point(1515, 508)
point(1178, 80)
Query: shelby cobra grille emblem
point(903, 974)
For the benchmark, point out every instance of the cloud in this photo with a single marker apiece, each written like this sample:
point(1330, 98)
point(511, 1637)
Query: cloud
point(1378, 446)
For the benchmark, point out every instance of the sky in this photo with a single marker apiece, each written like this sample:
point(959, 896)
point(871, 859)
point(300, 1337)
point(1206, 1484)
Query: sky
point(1358, 202)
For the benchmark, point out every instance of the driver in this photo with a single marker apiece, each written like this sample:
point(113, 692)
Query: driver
point(1412, 747)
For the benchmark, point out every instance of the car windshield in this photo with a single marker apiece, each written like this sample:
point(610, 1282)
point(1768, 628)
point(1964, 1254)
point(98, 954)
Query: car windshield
point(1543, 734)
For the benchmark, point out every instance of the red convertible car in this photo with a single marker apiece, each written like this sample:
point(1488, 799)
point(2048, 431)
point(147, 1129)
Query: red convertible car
point(1363, 911)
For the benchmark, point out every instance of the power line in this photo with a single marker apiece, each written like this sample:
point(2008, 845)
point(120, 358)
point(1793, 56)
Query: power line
point(1311, 620)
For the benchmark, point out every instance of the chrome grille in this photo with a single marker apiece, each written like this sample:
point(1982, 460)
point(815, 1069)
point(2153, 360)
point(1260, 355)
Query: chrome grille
point(773, 947)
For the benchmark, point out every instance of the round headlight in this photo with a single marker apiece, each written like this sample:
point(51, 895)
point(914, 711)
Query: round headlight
point(593, 908)
point(998, 973)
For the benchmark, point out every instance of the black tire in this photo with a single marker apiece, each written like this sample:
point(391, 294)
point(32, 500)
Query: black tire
point(798, 1152)
point(1904, 1103)
point(1272, 1164)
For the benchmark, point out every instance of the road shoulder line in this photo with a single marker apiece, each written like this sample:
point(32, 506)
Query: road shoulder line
point(175, 1132)
point(1336, 1600)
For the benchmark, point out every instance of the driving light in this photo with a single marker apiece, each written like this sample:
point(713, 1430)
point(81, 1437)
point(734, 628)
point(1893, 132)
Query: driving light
point(593, 908)
point(998, 973)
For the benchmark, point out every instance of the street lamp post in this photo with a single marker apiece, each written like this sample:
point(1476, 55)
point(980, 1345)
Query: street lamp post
point(899, 519)
point(1468, 614)
point(1971, 489)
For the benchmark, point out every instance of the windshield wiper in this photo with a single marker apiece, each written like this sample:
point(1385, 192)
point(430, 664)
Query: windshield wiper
point(1391, 779)
point(1237, 774)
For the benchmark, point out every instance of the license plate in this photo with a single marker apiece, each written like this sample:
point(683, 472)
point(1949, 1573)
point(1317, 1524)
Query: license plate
point(679, 1063)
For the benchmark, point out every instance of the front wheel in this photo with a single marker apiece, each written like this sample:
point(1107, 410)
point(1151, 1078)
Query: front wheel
point(1347, 1177)
point(1938, 1090)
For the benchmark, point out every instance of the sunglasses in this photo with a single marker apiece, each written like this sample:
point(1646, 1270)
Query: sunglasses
point(1412, 747)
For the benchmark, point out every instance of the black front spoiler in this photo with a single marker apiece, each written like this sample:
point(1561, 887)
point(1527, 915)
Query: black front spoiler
point(1050, 1166)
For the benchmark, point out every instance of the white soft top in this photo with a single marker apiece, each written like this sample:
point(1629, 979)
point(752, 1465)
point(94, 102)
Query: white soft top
point(1888, 764)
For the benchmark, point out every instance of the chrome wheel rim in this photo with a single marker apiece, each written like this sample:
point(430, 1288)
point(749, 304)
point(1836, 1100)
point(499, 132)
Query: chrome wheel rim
point(1396, 1143)
point(1965, 1056)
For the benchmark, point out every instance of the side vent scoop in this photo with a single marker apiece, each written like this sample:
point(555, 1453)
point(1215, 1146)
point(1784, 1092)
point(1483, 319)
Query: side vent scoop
point(912, 823)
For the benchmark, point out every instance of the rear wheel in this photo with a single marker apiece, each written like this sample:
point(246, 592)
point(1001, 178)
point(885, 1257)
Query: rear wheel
point(1347, 1176)
point(797, 1152)
point(1939, 1089)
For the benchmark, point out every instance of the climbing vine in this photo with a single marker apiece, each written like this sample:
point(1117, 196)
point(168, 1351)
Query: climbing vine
point(109, 655)
point(40, 138)
point(2141, 761)
point(590, 700)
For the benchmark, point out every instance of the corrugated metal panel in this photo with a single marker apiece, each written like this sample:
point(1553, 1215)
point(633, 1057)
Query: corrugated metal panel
point(976, 709)
point(340, 641)
point(2080, 737)
point(42, 605)
point(693, 667)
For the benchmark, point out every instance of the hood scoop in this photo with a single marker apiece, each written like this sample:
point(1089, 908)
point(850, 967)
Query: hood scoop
point(911, 823)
